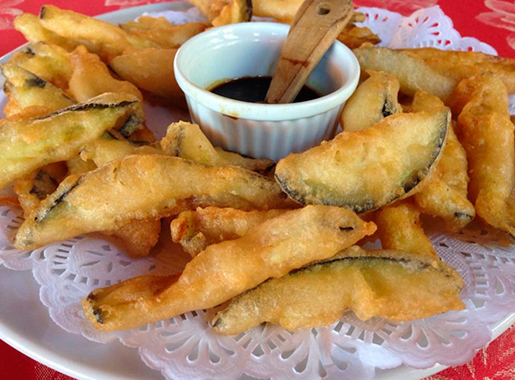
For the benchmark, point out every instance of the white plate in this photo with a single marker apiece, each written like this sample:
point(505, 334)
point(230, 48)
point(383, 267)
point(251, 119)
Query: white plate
point(26, 325)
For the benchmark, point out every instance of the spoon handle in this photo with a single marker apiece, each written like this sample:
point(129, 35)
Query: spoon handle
point(316, 25)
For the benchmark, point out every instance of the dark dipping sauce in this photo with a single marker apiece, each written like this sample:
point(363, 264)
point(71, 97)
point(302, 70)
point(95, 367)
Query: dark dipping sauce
point(254, 89)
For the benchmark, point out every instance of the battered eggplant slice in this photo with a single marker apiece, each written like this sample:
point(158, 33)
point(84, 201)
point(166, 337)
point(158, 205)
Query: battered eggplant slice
point(224, 270)
point(100, 37)
point(373, 100)
point(412, 72)
point(446, 196)
point(196, 230)
point(47, 61)
point(27, 144)
point(395, 285)
point(25, 89)
point(488, 136)
point(367, 169)
point(465, 64)
point(186, 140)
point(139, 187)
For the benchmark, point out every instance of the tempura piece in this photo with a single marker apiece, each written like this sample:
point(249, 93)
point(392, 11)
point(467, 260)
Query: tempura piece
point(157, 32)
point(465, 64)
point(186, 140)
point(91, 77)
point(139, 187)
point(150, 70)
point(395, 285)
point(224, 270)
point(446, 196)
point(373, 100)
point(49, 62)
point(100, 37)
point(487, 134)
point(25, 89)
point(196, 230)
point(399, 229)
point(35, 187)
point(30, 26)
point(27, 144)
point(368, 169)
point(412, 72)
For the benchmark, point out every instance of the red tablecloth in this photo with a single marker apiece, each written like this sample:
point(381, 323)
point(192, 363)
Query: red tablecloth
point(491, 21)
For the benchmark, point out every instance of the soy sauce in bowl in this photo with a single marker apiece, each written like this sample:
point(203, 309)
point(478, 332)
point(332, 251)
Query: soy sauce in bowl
point(254, 89)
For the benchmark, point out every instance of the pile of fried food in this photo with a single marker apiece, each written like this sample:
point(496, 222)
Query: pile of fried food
point(426, 132)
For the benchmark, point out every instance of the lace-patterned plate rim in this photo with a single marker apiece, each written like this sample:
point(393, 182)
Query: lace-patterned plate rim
point(79, 368)
point(407, 373)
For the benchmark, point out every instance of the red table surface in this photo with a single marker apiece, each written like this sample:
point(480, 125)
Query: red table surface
point(491, 21)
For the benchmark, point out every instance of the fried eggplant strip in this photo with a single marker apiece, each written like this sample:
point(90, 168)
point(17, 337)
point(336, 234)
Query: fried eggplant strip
point(27, 144)
point(465, 64)
point(49, 62)
point(367, 169)
point(25, 89)
point(143, 186)
point(395, 285)
point(224, 270)
point(412, 72)
point(373, 100)
point(186, 140)
point(196, 230)
point(487, 134)
point(98, 36)
point(446, 196)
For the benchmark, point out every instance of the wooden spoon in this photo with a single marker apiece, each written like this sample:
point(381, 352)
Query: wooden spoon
point(316, 25)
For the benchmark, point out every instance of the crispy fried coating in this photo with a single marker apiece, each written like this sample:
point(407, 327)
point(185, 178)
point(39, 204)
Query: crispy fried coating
point(412, 72)
point(487, 134)
point(105, 150)
point(399, 229)
point(100, 37)
point(30, 26)
point(150, 69)
point(186, 140)
point(395, 285)
point(224, 270)
point(465, 64)
point(446, 196)
point(196, 230)
point(368, 169)
point(373, 100)
point(139, 187)
point(49, 62)
point(157, 32)
point(138, 237)
point(27, 144)
point(91, 77)
point(25, 89)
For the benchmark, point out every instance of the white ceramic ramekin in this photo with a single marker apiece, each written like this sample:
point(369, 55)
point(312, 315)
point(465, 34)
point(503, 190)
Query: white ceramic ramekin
point(260, 130)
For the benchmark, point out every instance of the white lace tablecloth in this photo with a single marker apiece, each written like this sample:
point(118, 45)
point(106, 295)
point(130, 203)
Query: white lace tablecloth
point(185, 347)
